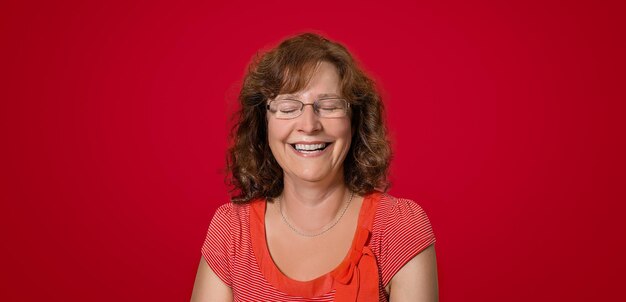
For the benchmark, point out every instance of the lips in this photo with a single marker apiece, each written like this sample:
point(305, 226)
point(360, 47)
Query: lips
point(310, 148)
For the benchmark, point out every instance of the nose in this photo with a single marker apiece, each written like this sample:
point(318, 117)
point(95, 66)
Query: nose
point(308, 121)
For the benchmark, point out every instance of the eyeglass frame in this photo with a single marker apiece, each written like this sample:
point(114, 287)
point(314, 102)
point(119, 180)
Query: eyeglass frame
point(315, 108)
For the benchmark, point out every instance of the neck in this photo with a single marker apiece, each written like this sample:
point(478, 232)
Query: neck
point(311, 206)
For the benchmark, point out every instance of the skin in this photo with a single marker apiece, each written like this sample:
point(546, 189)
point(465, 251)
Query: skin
point(314, 189)
point(417, 279)
point(209, 287)
point(314, 192)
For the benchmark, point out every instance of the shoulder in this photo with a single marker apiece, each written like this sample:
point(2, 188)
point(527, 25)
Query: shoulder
point(227, 224)
point(231, 208)
point(401, 216)
point(224, 238)
point(395, 210)
point(400, 231)
point(231, 213)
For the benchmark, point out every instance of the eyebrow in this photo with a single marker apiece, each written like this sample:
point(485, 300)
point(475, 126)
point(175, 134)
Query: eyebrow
point(319, 96)
point(327, 95)
point(287, 96)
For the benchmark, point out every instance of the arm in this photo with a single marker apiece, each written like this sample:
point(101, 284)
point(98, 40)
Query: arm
point(417, 279)
point(208, 287)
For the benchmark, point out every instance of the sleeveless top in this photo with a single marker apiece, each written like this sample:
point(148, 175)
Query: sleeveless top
point(390, 232)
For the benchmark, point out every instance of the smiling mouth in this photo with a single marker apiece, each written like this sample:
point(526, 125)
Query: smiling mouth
point(310, 147)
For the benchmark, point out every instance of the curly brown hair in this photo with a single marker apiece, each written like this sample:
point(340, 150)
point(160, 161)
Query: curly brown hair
point(253, 170)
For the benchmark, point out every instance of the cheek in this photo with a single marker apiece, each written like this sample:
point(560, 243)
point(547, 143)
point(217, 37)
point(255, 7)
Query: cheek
point(276, 133)
point(348, 133)
point(344, 131)
point(273, 142)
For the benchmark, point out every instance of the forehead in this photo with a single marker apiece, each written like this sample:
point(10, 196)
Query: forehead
point(322, 81)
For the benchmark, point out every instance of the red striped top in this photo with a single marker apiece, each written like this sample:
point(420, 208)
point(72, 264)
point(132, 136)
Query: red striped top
point(400, 230)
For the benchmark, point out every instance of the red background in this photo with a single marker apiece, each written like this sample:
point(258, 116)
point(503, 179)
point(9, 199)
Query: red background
point(507, 121)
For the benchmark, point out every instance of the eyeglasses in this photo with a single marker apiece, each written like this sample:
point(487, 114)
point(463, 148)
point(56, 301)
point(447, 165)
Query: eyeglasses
point(326, 108)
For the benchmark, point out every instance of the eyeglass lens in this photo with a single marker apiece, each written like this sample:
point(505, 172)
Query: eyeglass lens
point(328, 108)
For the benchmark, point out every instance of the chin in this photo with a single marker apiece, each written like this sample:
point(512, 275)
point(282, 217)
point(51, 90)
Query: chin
point(315, 175)
point(312, 177)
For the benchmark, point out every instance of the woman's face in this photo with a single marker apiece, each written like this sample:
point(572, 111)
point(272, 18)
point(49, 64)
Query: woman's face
point(330, 138)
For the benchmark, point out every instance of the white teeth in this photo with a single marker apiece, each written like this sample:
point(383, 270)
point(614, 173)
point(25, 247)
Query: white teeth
point(309, 147)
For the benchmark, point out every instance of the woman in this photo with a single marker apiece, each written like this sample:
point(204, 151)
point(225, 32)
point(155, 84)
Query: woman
point(309, 161)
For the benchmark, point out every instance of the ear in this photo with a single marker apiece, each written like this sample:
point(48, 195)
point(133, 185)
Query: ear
point(266, 103)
